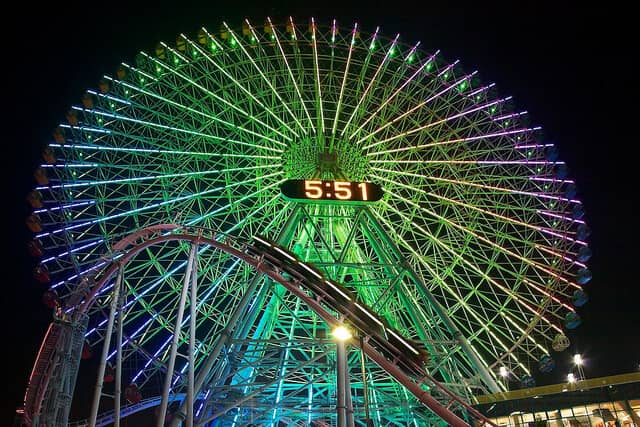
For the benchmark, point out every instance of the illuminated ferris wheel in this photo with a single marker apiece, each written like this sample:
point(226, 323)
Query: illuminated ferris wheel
point(394, 172)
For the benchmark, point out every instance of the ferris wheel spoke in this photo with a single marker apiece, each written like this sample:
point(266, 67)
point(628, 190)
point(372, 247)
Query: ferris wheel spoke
point(430, 97)
point(381, 66)
point(394, 95)
point(487, 241)
point(445, 142)
point(318, 91)
point(506, 292)
point(515, 220)
point(344, 79)
point(207, 92)
point(283, 56)
point(236, 42)
point(481, 323)
point(182, 109)
point(447, 119)
point(275, 92)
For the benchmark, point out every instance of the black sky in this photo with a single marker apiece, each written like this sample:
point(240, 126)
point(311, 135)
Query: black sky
point(569, 66)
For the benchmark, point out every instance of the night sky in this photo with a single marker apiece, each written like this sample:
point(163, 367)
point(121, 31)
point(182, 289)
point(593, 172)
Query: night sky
point(569, 67)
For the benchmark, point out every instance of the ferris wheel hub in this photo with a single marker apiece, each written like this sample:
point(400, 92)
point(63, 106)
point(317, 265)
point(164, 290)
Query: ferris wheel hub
point(311, 158)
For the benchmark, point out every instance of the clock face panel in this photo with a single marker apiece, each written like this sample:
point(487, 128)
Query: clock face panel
point(309, 190)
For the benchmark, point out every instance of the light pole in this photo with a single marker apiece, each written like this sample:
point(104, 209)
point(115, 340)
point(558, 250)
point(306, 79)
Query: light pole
point(343, 407)
point(579, 362)
point(505, 375)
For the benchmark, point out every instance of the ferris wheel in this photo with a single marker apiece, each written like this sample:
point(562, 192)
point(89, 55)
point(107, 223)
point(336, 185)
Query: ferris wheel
point(398, 174)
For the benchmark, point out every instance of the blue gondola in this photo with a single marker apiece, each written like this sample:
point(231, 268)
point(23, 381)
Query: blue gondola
point(546, 363)
point(572, 320)
point(579, 298)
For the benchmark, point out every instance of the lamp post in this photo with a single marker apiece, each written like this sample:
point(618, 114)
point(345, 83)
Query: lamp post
point(578, 361)
point(343, 407)
point(505, 375)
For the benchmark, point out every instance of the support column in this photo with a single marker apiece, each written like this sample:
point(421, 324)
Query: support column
point(115, 297)
point(344, 405)
point(341, 407)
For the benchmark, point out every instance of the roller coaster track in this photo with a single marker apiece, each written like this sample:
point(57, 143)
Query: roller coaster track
point(423, 386)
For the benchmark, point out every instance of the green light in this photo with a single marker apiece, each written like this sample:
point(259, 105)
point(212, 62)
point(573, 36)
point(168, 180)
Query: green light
point(392, 52)
point(493, 109)
point(462, 86)
point(158, 69)
point(233, 41)
point(273, 37)
point(176, 60)
point(446, 76)
point(411, 58)
point(507, 123)
point(214, 47)
point(478, 97)
point(141, 79)
point(429, 66)
point(372, 46)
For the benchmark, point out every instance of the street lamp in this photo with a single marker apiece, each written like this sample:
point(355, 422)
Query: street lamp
point(343, 408)
point(579, 362)
point(504, 374)
point(571, 378)
point(342, 333)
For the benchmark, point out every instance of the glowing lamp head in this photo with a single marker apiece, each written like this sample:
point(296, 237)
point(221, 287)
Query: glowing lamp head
point(503, 372)
point(571, 378)
point(341, 333)
point(577, 359)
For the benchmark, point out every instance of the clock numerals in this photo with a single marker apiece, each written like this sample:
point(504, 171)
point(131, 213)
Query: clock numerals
point(313, 189)
point(363, 190)
point(342, 190)
point(327, 191)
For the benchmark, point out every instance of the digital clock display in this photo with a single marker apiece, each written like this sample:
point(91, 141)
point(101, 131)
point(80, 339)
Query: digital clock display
point(310, 190)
